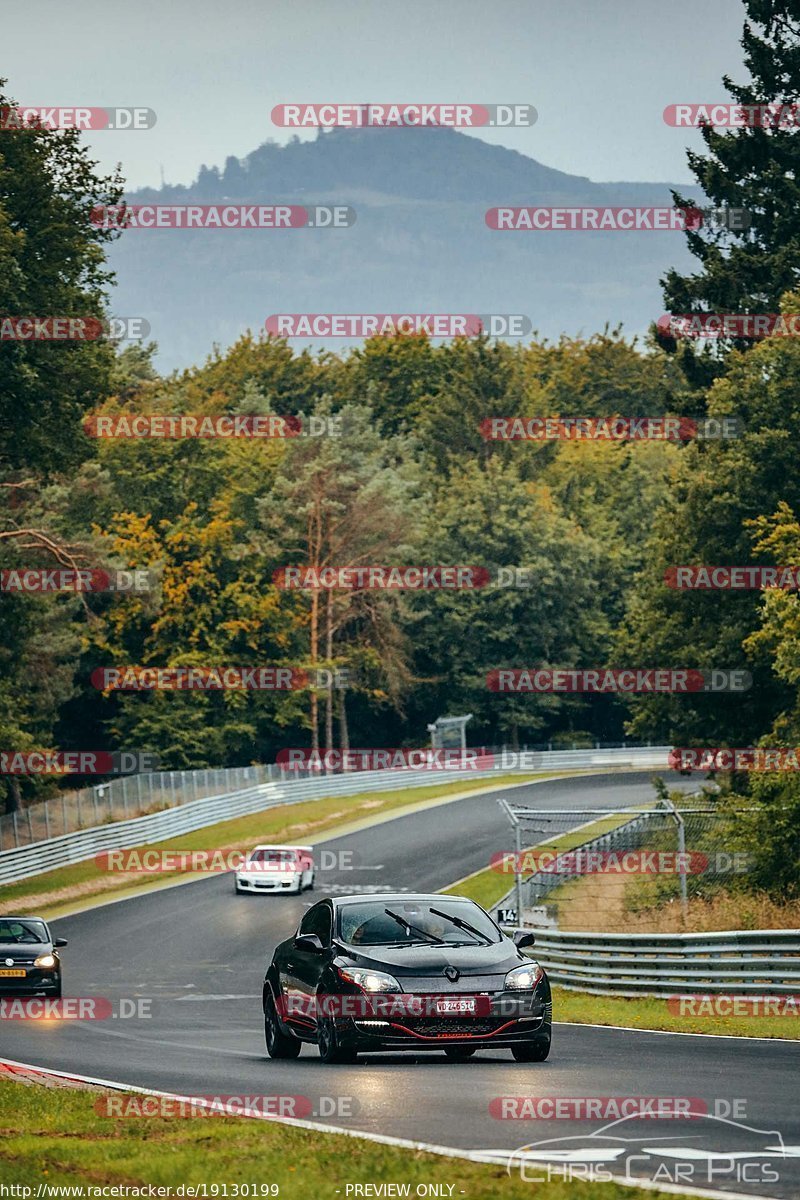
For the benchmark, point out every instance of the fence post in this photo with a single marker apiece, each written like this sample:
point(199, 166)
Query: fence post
point(16, 830)
point(125, 795)
point(518, 873)
point(47, 819)
point(64, 813)
point(30, 824)
point(96, 811)
point(682, 860)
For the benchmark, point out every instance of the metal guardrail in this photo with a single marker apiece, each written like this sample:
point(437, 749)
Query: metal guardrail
point(742, 962)
point(47, 854)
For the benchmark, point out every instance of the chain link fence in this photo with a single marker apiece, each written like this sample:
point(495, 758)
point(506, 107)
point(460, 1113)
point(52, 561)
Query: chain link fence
point(618, 870)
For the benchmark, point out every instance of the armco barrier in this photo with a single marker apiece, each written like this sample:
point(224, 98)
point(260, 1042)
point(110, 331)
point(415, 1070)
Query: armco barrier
point(35, 859)
point(762, 961)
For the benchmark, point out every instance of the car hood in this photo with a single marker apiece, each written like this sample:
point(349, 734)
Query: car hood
point(495, 959)
point(24, 949)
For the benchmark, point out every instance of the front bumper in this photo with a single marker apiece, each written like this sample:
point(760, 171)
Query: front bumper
point(505, 1019)
point(36, 981)
point(268, 883)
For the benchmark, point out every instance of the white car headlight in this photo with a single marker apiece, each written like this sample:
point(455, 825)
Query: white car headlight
point(370, 981)
point(524, 978)
point(45, 960)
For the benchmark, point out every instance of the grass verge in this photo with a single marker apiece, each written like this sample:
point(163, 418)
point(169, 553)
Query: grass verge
point(57, 1137)
point(650, 1012)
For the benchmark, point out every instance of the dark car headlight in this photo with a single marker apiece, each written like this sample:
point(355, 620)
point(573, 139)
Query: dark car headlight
point(370, 981)
point(524, 978)
point(46, 962)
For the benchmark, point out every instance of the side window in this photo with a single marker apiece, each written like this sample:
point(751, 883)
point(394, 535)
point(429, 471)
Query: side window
point(318, 920)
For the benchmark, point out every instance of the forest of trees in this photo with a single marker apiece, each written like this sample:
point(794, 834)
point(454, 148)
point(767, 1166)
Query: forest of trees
point(406, 477)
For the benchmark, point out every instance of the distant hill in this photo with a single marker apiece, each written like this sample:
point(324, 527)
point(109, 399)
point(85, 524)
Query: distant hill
point(419, 243)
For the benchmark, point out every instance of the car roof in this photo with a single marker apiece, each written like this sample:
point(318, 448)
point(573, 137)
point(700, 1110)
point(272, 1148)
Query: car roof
point(398, 897)
point(22, 917)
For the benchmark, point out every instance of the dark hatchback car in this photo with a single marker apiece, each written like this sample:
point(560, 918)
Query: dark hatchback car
point(405, 972)
point(29, 960)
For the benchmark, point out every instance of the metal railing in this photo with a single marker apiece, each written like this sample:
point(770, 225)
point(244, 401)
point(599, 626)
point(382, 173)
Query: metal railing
point(187, 815)
point(742, 962)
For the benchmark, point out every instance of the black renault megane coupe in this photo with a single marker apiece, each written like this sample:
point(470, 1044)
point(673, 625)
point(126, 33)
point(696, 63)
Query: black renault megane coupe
point(405, 972)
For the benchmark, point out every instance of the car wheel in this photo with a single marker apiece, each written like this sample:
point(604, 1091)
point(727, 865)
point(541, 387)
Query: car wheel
point(278, 1044)
point(330, 1049)
point(459, 1053)
point(311, 882)
point(532, 1051)
point(57, 993)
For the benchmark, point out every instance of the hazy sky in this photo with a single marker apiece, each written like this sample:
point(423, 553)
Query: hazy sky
point(599, 72)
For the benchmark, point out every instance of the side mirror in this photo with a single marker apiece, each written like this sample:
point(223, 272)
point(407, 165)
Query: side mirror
point(310, 943)
point(59, 942)
point(523, 938)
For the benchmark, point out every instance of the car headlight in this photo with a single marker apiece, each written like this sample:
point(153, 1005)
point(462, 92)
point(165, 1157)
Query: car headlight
point(45, 960)
point(370, 981)
point(524, 978)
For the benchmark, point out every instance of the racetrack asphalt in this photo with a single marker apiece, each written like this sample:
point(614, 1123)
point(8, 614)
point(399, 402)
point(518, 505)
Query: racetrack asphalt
point(196, 955)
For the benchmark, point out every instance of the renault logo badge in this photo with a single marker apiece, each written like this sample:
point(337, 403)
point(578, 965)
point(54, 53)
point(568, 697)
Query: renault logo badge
point(452, 973)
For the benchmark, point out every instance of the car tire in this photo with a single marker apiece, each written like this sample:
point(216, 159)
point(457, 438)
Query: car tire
point(330, 1049)
point(279, 1044)
point(532, 1051)
point(459, 1053)
point(311, 882)
point(57, 993)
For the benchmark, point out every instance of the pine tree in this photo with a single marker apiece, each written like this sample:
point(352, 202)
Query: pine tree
point(754, 168)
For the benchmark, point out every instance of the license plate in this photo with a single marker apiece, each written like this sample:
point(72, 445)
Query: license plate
point(455, 1006)
point(13, 974)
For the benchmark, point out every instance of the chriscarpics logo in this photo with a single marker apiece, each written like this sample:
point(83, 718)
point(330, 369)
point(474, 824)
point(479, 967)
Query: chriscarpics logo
point(713, 1151)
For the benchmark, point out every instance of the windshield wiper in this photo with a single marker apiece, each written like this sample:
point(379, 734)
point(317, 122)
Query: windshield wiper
point(431, 937)
point(461, 924)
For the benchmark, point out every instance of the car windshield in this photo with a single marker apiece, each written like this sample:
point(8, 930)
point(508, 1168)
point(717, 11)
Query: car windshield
point(406, 922)
point(276, 857)
point(22, 932)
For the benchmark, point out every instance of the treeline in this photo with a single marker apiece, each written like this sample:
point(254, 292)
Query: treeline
point(405, 476)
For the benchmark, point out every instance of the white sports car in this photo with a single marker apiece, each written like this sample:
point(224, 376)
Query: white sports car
point(276, 869)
